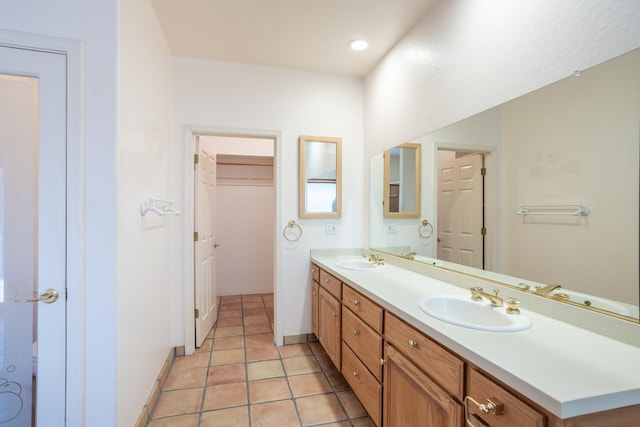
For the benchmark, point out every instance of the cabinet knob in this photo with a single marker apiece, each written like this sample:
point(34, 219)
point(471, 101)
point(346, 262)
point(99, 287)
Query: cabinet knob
point(356, 332)
point(326, 280)
point(381, 362)
point(356, 302)
point(335, 314)
point(355, 373)
point(413, 344)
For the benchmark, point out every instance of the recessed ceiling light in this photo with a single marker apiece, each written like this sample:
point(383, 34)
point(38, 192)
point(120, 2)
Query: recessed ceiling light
point(358, 44)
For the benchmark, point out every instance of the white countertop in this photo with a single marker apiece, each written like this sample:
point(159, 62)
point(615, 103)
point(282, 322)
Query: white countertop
point(565, 369)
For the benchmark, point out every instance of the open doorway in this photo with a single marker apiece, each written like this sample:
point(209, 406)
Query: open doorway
point(236, 212)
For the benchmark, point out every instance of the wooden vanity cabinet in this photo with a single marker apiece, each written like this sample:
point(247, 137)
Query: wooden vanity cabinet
point(412, 398)
point(419, 382)
point(440, 364)
point(516, 412)
point(329, 323)
point(326, 312)
point(362, 350)
point(315, 295)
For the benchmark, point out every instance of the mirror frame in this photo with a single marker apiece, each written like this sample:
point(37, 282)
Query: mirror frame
point(302, 178)
point(387, 178)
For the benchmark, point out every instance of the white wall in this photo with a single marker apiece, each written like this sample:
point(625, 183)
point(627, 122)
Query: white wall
point(213, 94)
point(466, 56)
point(91, 390)
point(143, 242)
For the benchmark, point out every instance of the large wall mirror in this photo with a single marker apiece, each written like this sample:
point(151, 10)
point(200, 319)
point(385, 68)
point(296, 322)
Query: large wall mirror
point(402, 181)
point(320, 185)
point(560, 192)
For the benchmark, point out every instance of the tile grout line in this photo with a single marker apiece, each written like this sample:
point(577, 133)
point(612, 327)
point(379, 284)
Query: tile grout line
point(306, 349)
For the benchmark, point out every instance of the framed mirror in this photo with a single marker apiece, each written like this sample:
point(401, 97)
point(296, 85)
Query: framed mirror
point(402, 181)
point(561, 205)
point(320, 177)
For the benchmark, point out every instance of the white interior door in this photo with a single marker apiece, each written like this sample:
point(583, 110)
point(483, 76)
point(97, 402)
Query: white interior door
point(460, 210)
point(205, 245)
point(32, 237)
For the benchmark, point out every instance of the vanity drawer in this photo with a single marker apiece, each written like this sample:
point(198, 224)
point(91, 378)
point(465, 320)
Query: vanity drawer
point(364, 342)
point(363, 383)
point(366, 309)
point(315, 273)
point(516, 411)
point(331, 284)
point(438, 363)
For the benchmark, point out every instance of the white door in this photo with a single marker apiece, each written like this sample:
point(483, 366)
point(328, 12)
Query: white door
point(460, 210)
point(32, 237)
point(205, 245)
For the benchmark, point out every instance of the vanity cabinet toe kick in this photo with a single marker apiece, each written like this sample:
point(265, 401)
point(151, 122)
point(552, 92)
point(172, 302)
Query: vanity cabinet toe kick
point(404, 378)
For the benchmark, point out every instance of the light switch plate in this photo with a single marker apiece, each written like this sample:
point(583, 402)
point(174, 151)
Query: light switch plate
point(391, 227)
point(330, 228)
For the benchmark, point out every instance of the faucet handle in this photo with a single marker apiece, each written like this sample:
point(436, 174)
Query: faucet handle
point(475, 293)
point(513, 305)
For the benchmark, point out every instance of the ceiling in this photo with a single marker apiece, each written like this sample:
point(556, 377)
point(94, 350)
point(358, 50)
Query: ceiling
point(301, 34)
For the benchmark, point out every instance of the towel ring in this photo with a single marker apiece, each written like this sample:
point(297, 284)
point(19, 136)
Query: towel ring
point(292, 225)
point(421, 229)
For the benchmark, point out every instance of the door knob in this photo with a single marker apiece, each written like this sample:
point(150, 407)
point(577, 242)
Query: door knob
point(49, 296)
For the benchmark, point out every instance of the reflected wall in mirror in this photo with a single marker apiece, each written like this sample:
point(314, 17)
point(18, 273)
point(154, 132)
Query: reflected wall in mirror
point(573, 142)
point(320, 179)
point(402, 181)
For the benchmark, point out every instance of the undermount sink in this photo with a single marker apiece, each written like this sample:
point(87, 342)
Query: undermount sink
point(360, 265)
point(462, 311)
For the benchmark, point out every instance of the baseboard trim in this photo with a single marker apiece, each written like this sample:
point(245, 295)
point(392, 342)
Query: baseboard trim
point(299, 339)
point(152, 399)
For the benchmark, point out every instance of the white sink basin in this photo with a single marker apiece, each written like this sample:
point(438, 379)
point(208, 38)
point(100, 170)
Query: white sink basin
point(360, 265)
point(462, 311)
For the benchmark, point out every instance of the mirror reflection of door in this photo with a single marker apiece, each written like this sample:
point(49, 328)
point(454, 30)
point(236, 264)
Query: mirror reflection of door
point(32, 237)
point(460, 208)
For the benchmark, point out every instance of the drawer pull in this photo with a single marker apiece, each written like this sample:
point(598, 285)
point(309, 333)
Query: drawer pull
point(413, 344)
point(355, 373)
point(356, 302)
point(491, 407)
point(356, 332)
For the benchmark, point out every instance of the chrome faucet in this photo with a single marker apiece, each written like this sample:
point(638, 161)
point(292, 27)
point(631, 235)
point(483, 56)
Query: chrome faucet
point(477, 293)
point(547, 289)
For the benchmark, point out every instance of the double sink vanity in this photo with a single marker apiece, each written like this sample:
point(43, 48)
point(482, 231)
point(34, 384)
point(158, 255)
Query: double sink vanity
point(420, 350)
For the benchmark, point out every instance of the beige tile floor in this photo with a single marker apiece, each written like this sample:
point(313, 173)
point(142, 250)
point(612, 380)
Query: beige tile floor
point(240, 378)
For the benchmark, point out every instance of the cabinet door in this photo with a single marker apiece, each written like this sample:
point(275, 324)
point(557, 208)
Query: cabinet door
point(329, 325)
point(315, 290)
point(411, 398)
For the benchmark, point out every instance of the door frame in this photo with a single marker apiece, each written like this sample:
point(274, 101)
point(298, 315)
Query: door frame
point(491, 202)
point(73, 50)
point(191, 131)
